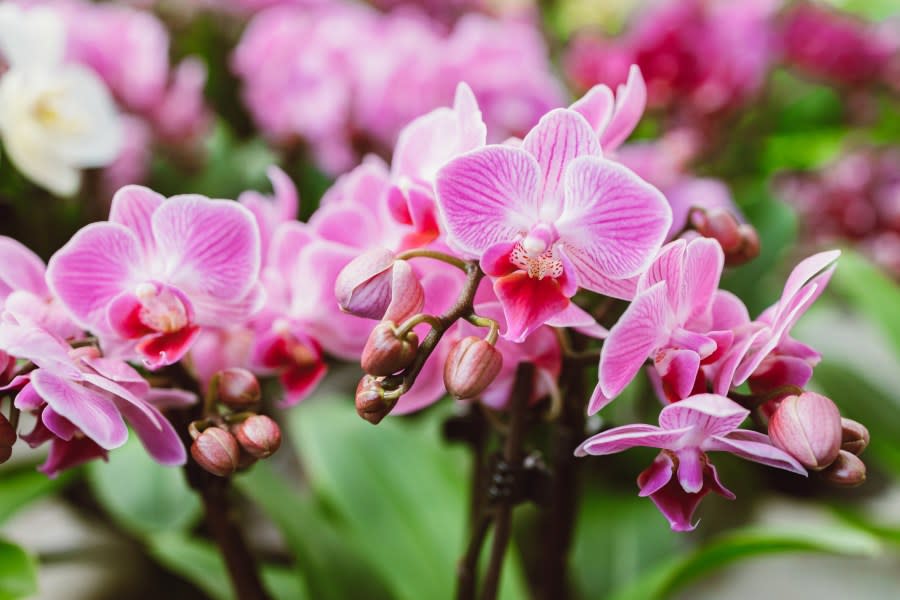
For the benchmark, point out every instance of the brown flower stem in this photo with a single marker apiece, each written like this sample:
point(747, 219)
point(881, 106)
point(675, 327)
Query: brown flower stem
point(467, 572)
point(221, 520)
point(513, 453)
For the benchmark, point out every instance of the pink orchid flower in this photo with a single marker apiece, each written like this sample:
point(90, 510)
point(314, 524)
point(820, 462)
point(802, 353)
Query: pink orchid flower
point(682, 474)
point(614, 117)
point(670, 321)
point(24, 295)
point(159, 270)
point(763, 349)
point(83, 401)
point(550, 217)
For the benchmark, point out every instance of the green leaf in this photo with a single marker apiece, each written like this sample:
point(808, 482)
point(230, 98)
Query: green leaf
point(200, 563)
point(400, 491)
point(143, 496)
point(24, 485)
point(747, 543)
point(333, 566)
point(18, 572)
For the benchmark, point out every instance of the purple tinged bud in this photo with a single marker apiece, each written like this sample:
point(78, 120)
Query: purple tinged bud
point(216, 451)
point(374, 285)
point(847, 470)
point(238, 388)
point(854, 436)
point(258, 435)
point(471, 367)
point(385, 353)
point(740, 242)
point(808, 427)
point(371, 403)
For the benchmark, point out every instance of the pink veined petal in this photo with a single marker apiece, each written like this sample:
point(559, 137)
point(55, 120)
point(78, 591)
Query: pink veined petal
point(213, 245)
point(703, 263)
point(22, 269)
point(613, 223)
point(804, 271)
point(631, 99)
point(345, 224)
point(472, 130)
point(668, 266)
point(640, 330)
point(287, 202)
point(212, 312)
point(622, 288)
point(287, 242)
point(710, 414)
point(528, 303)
point(495, 260)
point(690, 469)
point(598, 400)
point(132, 207)
point(577, 318)
point(95, 266)
point(487, 196)
point(728, 311)
point(656, 476)
point(300, 383)
point(27, 398)
point(93, 414)
point(38, 346)
point(155, 432)
point(560, 137)
point(725, 370)
point(776, 371)
point(166, 398)
point(596, 106)
point(123, 316)
point(65, 455)
point(630, 436)
point(120, 372)
point(755, 446)
point(703, 345)
point(678, 371)
point(121, 391)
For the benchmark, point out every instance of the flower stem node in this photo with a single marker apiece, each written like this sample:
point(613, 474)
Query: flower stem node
point(371, 402)
point(854, 436)
point(808, 427)
point(740, 242)
point(237, 388)
point(259, 436)
point(386, 352)
point(472, 365)
point(217, 451)
point(847, 470)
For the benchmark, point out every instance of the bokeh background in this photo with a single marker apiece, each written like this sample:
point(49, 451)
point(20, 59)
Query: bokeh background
point(790, 109)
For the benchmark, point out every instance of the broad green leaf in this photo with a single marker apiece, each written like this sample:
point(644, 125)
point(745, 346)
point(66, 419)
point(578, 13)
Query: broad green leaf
point(746, 543)
point(18, 572)
point(200, 563)
point(332, 566)
point(21, 486)
point(143, 496)
point(401, 492)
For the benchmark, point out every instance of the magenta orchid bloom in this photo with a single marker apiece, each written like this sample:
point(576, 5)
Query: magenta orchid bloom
point(682, 474)
point(670, 321)
point(550, 217)
point(763, 349)
point(159, 270)
point(81, 399)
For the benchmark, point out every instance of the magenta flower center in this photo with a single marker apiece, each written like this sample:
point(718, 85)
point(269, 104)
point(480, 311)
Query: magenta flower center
point(161, 309)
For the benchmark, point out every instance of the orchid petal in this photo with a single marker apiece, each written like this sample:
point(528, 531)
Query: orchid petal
point(528, 303)
point(710, 414)
point(596, 106)
point(132, 207)
point(630, 436)
point(157, 435)
point(631, 100)
point(755, 446)
point(22, 269)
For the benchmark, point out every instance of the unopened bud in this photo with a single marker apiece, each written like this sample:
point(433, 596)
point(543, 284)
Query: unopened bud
point(374, 285)
point(385, 353)
point(216, 451)
point(258, 435)
point(847, 470)
point(471, 366)
point(854, 436)
point(238, 388)
point(808, 427)
point(740, 242)
point(371, 403)
point(7, 438)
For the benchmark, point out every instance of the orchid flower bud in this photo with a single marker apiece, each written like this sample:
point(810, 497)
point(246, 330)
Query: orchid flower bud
point(740, 242)
point(371, 403)
point(216, 451)
point(385, 353)
point(854, 436)
point(847, 470)
point(808, 427)
point(258, 435)
point(237, 388)
point(471, 366)
point(374, 285)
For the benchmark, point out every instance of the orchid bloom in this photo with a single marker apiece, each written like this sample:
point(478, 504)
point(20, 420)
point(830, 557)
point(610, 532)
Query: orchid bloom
point(55, 118)
point(81, 399)
point(159, 270)
point(763, 349)
point(614, 117)
point(670, 321)
point(682, 474)
point(550, 217)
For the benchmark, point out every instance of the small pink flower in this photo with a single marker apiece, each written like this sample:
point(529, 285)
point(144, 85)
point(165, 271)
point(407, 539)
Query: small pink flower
point(81, 399)
point(614, 117)
point(682, 474)
point(159, 270)
point(670, 321)
point(550, 217)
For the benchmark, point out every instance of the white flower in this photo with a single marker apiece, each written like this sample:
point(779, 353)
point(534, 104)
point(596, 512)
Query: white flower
point(55, 118)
